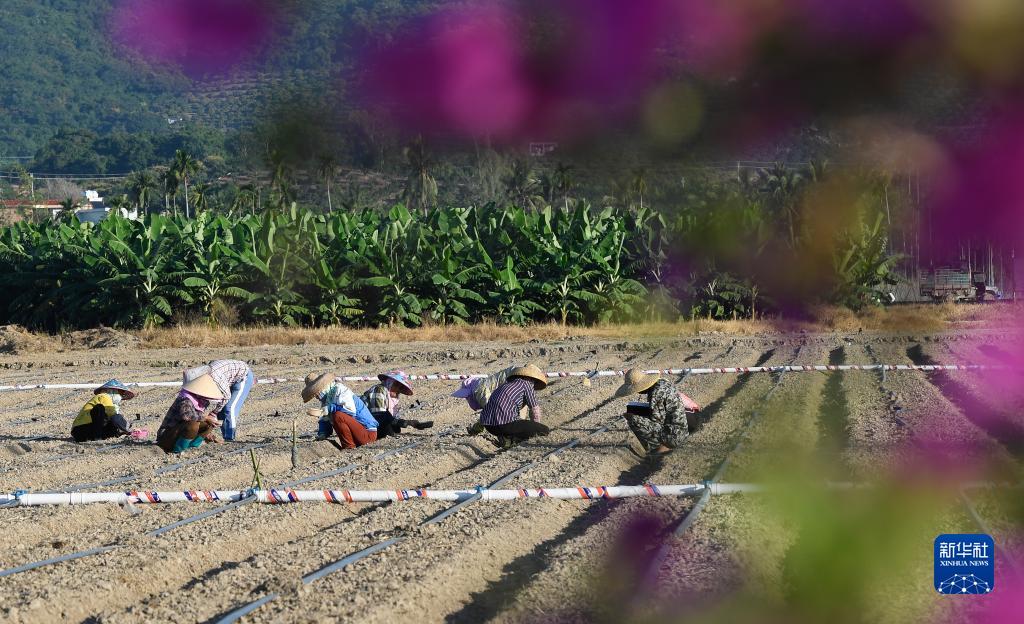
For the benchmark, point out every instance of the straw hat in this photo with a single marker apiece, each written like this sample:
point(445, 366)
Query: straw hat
point(531, 372)
point(636, 382)
point(315, 384)
point(204, 386)
point(116, 386)
point(400, 378)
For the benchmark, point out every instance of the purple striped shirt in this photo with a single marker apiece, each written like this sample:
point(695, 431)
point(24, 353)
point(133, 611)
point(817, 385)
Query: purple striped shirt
point(504, 405)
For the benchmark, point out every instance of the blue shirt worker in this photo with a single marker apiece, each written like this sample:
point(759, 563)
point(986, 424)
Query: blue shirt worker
point(345, 412)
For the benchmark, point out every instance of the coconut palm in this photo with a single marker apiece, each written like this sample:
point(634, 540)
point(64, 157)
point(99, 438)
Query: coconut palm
point(170, 184)
point(420, 186)
point(783, 186)
point(141, 187)
point(638, 184)
point(185, 167)
point(564, 182)
point(522, 186)
point(201, 197)
point(325, 171)
point(247, 198)
point(280, 179)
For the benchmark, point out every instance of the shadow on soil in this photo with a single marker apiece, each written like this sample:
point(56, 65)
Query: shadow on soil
point(518, 573)
point(993, 422)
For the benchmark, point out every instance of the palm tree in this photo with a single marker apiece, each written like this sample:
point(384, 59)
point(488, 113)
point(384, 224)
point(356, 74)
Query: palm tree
point(201, 197)
point(326, 173)
point(280, 178)
point(67, 208)
point(141, 186)
point(170, 184)
point(246, 198)
point(185, 167)
point(638, 184)
point(119, 203)
point(783, 186)
point(564, 182)
point(521, 185)
point(420, 186)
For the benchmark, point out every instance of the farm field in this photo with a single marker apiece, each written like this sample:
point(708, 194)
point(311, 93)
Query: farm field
point(533, 560)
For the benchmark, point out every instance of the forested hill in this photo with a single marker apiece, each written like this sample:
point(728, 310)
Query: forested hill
point(59, 69)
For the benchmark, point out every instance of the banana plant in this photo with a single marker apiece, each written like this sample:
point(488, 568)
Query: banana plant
point(506, 292)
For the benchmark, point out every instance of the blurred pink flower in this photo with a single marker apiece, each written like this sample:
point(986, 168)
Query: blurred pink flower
point(878, 24)
point(199, 36)
point(1004, 605)
point(980, 197)
point(513, 75)
point(714, 39)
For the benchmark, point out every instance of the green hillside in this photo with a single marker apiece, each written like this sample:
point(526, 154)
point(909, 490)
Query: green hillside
point(60, 70)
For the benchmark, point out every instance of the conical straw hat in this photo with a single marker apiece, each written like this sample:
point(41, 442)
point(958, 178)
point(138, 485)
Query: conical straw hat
point(116, 386)
point(315, 384)
point(531, 372)
point(636, 382)
point(205, 387)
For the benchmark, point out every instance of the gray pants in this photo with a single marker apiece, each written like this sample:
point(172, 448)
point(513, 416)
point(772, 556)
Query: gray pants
point(653, 432)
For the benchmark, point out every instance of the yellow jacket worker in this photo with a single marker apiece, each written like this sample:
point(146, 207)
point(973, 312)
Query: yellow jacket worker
point(101, 417)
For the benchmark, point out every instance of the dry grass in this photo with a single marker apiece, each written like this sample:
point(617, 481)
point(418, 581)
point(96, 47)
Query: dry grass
point(923, 318)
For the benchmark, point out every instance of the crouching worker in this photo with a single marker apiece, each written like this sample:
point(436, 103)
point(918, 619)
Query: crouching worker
point(500, 416)
point(187, 423)
point(382, 401)
point(100, 418)
point(661, 425)
point(477, 391)
point(234, 379)
point(340, 410)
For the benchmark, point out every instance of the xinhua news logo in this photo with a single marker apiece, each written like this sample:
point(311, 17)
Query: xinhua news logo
point(965, 563)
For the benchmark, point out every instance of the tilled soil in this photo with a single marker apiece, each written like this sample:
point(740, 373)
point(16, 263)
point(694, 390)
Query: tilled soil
point(491, 560)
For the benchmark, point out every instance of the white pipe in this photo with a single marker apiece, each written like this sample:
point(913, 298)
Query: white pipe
point(285, 495)
point(560, 374)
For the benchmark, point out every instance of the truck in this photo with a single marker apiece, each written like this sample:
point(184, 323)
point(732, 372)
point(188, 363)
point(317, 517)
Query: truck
point(952, 284)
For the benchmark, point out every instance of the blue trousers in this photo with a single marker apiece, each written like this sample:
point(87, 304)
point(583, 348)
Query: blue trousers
point(229, 413)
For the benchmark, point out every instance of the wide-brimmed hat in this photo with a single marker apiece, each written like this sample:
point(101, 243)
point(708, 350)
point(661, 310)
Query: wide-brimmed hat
point(116, 386)
point(530, 372)
point(315, 384)
point(636, 382)
point(204, 386)
point(466, 388)
point(400, 378)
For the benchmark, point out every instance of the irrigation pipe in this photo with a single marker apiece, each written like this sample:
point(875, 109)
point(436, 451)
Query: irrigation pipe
point(135, 477)
point(286, 495)
point(562, 374)
point(289, 496)
point(198, 517)
point(691, 516)
point(474, 496)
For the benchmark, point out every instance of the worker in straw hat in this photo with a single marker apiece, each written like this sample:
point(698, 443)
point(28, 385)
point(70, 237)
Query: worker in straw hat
point(382, 401)
point(234, 379)
point(100, 418)
point(340, 410)
point(477, 391)
point(663, 427)
point(188, 421)
point(500, 416)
